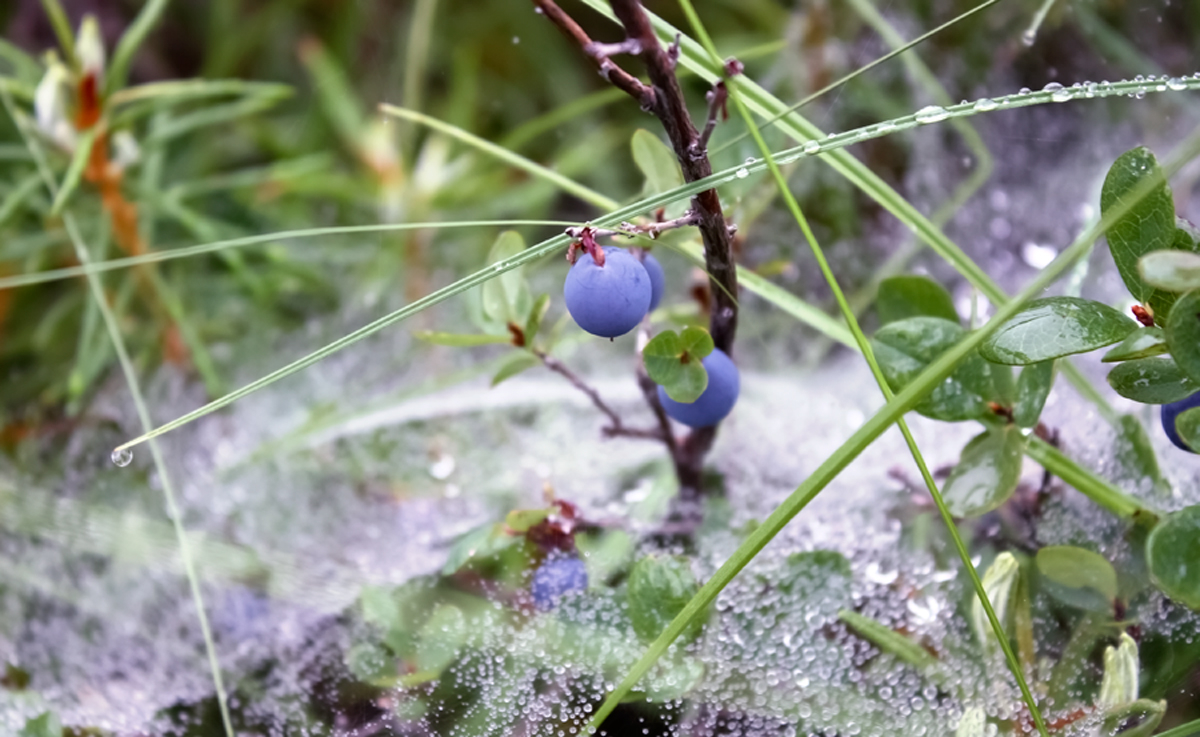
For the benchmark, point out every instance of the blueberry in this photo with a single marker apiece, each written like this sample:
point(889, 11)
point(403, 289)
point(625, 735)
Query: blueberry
point(608, 300)
point(1170, 412)
point(555, 579)
point(658, 280)
point(716, 401)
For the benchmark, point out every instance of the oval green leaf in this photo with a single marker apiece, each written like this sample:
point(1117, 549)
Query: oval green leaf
point(1135, 453)
point(1142, 343)
point(1173, 556)
point(1151, 381)
point(1149, 225)
point(1078, 568)
point(684, 379)
point(515, 364)
point(987, 472)
point(659, 587)
point(902, 297)
point(656, 161)
point(506, 298)
point(904, 348)
point(1174, 271)
point(1183, 334)
point(1033, 387)
point(1053, 328)
point(888, 639)
point(1187, 424)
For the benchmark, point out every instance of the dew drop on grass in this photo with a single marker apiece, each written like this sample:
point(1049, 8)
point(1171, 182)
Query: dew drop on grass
point(1029, 36)
point(1058, 93)
point(122, 457)
point(742, 173)
point(812, 147)
point(1175, 83)
point(931, 114)
point(986, 104)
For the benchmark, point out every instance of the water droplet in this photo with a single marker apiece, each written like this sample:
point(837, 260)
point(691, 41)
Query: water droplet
point(122, 457)
point(885, 128)
point(516, 40)
point(1057, 92)
point(986, 104)
point(1176, 84)
point(1024, 91)
point(1141, 93)
point(1090, 89)
point(749, 160)
point(931, 114)
point(812, 147)
point(1029, 36)
point(742, 173)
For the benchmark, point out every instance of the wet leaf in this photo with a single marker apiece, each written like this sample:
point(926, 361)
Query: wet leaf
point(537, 312)
point(987, 473)
point(1173, 556)
point(904, 348)
point(1053, 328)
point(521, 520)
point(461, 340)
point(1151, 381)
point(888, 639)
point(515, 364)
point(1033, 386)
point(1148, 226)
point(656, 161)
point(1120, 683)
point(902, 297)
point(999, 582)
point(1183, 334)
point(1135, 453)
point(441, 638)
point(673, 360)
point(659, 587)
point(481, 542)
point(1174, 271)
point(1138, 719)
point(973, 723)
point(506, 298)
point(1187, 424)
point(1142, 343)
point(1078, 577)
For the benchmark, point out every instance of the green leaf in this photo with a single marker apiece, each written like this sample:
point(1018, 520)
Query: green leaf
point(903, 350)
point(1174, 271)
point(1151, 381)
point(440, 639)
point(888, 639)
point(1000, 580)
point(656, 161)
point(1187, 424)
point(1120, 683)
point(1173, 556)
point(1183, 334)
point(1089, 579)
point(506, 298)
point(482, 542)
point(515, 364)
point(533, 323)
point(902, 297)
point(674, 362)
point(658, 589)
point(1033, 386)
point(460, 340)
point(1135, 453)
point(43, 725)
point(1142, 343)
point(1053, 328)
point(1149, 225)
point(521, 520)
point(987, 473)
point(1138, 719)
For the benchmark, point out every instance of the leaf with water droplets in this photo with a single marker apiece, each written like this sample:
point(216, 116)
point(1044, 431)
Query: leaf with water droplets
point(1142, 343)
point(987, 472)
point(902, 297)
point(888, 639)
point(905, 347)
point(440, 639)
point(1173, 556)
point(1174, 271)
point(1138, 719)
point(1053, 328)
point(659, 587)
point(1152, 381)
point(1134, 453)
point(1183, 334)
point(1033, 387)
point(1148, 226)
point(1078, 577)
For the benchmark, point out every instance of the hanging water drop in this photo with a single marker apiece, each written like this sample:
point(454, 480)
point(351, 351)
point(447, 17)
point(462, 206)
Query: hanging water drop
point(122, 457)
point(931, 114)
point(1057, 92)
point(749, 160)
point(812, 147)
point(742, 173)
point(1029, 36)
point(1177, 84)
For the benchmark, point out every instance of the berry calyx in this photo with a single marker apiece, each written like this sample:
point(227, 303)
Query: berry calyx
point(1173, 410)
point(608, 300)
point(718, 397)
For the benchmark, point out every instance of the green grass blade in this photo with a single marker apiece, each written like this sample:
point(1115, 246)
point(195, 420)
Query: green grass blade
point(1183, 730)
point(539, 126)
point(62, 29)
point(79, 160)
point(416, 59)
point(13, 201)
point(24, 66)
point(122, 58)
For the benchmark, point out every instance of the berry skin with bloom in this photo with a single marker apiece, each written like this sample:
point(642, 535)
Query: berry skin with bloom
point(658, 280)
point(608, 300)
point(717, 400)
point(555, 579)
point(1173, 410)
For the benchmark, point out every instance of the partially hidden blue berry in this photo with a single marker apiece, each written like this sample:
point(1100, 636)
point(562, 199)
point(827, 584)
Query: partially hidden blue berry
point(1173, 410)
point(718, 398)
point(557, 578)
point(608, 300)
point(658, 280)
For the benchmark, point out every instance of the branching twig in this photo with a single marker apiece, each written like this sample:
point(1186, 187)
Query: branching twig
point(617, 427)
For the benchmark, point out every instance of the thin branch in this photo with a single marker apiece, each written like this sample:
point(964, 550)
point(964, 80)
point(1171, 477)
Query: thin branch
point(617, 427)
point(717, 97)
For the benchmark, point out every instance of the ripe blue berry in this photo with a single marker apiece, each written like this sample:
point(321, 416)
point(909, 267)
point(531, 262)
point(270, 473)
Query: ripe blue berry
point(608, 300)
point(555, 579)
point(716, 401)
point(658, 280)
point(1173, 410)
